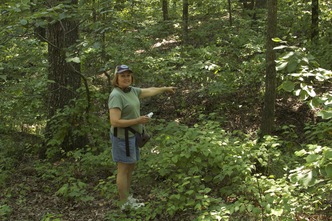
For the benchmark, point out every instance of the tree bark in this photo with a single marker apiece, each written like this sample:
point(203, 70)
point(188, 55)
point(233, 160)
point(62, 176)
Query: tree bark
point(62, 75)
point(230, 13)
point(185, 18)
point(268, 115)
point(64, 80)
point(165, 9)
point(260, 3)
point(314, 20)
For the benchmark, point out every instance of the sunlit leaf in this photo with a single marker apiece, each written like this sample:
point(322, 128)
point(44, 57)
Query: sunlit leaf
point(277, 212)
point(310, 91)
point(307, 177)
point(280, 47)
point(300, 153)
point(75, 60)
point(288, 55)
point(282, 66)
point(325, 114)
point(278, 40)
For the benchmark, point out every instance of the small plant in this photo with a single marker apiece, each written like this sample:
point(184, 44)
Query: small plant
point(75, 190)
point(5, 211)
point(52, 217)
point(107, 187)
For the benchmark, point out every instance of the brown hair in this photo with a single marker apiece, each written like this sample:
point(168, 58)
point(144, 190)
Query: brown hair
point(115, 82)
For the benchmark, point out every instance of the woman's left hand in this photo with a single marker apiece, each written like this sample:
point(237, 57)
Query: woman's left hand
point(143, 119)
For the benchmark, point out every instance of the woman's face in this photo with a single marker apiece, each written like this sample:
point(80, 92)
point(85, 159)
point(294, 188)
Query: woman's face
point(124, 79)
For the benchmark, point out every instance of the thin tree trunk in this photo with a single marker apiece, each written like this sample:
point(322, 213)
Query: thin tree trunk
point(268, 115)
point(185, 18)
point(314, 20)
point(165, 9)
point(230, 13)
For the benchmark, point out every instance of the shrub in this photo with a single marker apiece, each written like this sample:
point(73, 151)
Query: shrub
point(202, 168)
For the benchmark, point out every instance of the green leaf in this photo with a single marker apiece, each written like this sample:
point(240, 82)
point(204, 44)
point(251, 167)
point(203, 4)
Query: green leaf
point(175, 196)
point(307, 178)
point(300, 153)
point(277, 212)
point(304, 95)
point(41, 23)
point(208, 178)
point(313, 158)
point(62, 16)
point(310, 91)
point(328, 170)
point(315, 102)
point(292, 66)
point(287, 56)
point(278, 40)
point(190, 192)
point(306, 60)
point(328, 154)
point(175, 159)
point(288, 86)
point(23, 22)
point(3, 77)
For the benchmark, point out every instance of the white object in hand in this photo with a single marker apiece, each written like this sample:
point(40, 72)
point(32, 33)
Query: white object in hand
point(150, 114)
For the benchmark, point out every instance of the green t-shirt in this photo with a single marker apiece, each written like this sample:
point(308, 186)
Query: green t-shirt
point(129, 105)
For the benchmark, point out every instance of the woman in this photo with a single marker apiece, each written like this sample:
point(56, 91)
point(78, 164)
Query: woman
point(124, 111)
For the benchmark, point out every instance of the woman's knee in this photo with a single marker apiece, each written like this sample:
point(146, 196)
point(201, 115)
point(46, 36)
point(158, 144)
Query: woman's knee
point(125, 168)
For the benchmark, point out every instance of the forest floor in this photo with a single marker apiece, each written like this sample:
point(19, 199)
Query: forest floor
point(33, 203)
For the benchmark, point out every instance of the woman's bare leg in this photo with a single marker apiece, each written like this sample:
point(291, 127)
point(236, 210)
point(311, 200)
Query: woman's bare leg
point(123, 180)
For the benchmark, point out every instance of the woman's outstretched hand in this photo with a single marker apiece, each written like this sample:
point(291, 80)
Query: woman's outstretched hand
point(171, 89)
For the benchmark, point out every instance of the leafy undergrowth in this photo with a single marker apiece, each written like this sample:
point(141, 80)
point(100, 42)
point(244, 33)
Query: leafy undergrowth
point(198, 172)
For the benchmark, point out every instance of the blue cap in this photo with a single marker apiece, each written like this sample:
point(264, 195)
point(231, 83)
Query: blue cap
point(122, 68)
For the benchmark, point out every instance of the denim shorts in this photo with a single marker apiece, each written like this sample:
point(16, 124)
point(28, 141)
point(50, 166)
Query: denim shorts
point(119, 150)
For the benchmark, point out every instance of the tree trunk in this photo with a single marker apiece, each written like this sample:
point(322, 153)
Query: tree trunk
point(260, 3)
point(314, 20)
point(185, 18)
point(230, 13)
point(64, 81)
point(62, 75)
point(267, 125)
point(165, 9)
